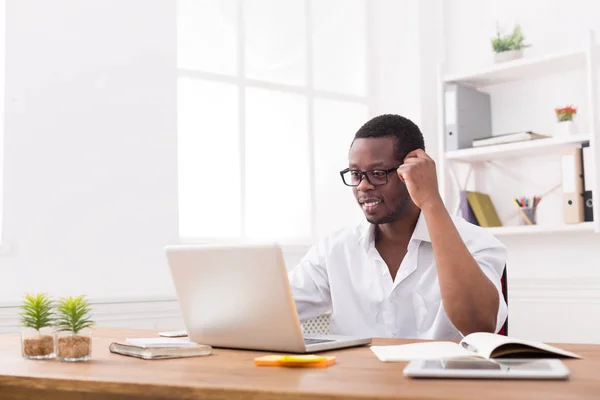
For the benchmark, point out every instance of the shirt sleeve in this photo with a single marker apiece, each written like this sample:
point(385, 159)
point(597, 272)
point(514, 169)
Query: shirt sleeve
point(310, 284)
point(491, 257)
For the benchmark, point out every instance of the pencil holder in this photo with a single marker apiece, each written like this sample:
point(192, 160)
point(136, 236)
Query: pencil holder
point(527, 215)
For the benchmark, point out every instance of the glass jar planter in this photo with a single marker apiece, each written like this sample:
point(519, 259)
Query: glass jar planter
point(73, 347)
point(37, 345)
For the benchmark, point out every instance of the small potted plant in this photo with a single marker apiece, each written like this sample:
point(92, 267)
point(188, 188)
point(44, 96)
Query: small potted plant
point(508, 47)
point(73, 334)
point(37, 318)
point(566, 125)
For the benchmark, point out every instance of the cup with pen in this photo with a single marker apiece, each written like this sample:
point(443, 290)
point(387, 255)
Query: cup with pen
point(527, 209)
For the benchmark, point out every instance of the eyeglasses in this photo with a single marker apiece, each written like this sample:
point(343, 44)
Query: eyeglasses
point(376, 177)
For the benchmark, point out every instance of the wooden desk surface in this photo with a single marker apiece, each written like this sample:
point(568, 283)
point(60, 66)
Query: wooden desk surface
point(231, 374)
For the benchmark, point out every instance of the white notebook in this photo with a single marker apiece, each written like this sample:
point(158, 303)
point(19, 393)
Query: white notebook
point(508, 138)
point(160, 342)
point(478, 345)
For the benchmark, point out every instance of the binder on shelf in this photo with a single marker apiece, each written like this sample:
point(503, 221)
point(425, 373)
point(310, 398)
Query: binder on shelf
point(467, 116)
point(484, 209)
point(572, 185)
point(466, 210)
point(588, 182)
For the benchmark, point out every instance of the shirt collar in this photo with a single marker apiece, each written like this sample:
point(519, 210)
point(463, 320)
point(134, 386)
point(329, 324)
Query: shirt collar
point(420, 233)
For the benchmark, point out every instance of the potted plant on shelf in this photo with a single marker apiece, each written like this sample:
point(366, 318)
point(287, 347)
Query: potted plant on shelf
point(73, 334)
point(37, 319)
point(508, 47)
point(566, 125)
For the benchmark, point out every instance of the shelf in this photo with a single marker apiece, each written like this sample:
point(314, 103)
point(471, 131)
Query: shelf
point(537, 229)
point(524, 68)
point(516, 149)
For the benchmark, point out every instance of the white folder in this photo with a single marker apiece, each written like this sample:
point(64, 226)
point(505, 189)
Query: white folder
point(572, 185)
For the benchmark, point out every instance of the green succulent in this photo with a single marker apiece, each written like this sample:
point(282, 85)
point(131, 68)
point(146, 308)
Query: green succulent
point(73, 314)
point(37, 311)
point(514, 41)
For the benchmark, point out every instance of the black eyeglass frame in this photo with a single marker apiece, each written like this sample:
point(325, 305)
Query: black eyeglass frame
point(365, 174)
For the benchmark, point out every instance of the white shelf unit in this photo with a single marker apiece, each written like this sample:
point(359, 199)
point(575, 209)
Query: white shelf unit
point(517, 70)
point(531, 147)
point(536, 229)
point(524, 68)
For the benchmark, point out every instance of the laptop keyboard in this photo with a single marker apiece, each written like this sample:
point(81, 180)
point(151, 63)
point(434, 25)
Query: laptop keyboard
point(316, 341)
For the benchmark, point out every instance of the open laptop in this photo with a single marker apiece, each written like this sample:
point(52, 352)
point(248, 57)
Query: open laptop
point(238, 296)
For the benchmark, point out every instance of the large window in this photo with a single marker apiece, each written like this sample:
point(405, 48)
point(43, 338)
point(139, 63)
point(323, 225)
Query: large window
point(270, 93)
point(3, 247)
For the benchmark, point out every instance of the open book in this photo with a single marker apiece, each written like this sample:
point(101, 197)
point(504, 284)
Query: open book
point(479, 345)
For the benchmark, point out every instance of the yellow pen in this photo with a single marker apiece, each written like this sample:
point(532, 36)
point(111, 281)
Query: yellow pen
point(523, 212)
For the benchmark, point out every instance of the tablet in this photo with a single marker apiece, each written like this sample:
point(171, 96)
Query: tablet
point(490, 369)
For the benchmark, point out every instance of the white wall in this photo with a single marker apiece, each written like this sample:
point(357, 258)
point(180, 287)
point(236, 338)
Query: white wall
point(407, 48)
point(548, 25)
point(394, 75)
point(554, 279)
point(90, 148)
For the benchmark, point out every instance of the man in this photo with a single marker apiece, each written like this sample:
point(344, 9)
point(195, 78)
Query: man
point(411, 270)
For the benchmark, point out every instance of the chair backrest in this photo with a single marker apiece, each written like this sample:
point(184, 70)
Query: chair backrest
point(317, 325)
point(504, 280)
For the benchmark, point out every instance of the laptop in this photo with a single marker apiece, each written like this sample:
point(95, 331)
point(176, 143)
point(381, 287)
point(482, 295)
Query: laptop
point(239, 296)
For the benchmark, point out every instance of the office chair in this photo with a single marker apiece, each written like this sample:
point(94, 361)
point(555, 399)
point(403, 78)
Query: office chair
point(317, 325)
point(504, 281)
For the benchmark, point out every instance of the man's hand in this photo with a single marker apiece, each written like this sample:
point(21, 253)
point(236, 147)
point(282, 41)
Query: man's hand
point(419, 174)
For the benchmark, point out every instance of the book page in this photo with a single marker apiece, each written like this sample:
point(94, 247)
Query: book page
point(421, 351)
point(487, 344)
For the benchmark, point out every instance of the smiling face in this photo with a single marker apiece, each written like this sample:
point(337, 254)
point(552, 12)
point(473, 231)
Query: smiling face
point(380, 204)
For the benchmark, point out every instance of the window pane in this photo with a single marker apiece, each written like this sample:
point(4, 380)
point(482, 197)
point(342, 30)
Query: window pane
point(275, 40)
point(209, 166)
point(207, 35)
point(339, 46)
point(277, 165)
point(336, 123)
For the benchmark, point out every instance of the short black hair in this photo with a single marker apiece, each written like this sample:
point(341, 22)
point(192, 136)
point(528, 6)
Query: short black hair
point(406, 134)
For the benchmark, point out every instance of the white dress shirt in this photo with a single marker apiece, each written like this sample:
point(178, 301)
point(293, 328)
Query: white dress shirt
point(346, 276)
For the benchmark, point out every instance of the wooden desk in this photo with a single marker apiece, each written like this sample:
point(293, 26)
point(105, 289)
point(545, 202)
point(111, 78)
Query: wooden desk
point(231, 374)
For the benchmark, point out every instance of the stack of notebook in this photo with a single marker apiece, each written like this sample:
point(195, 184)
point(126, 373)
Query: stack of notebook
point(159, 348)
point(507, 138)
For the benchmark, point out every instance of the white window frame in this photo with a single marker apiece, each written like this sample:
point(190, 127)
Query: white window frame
point(308, 90)
point(4, 248)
